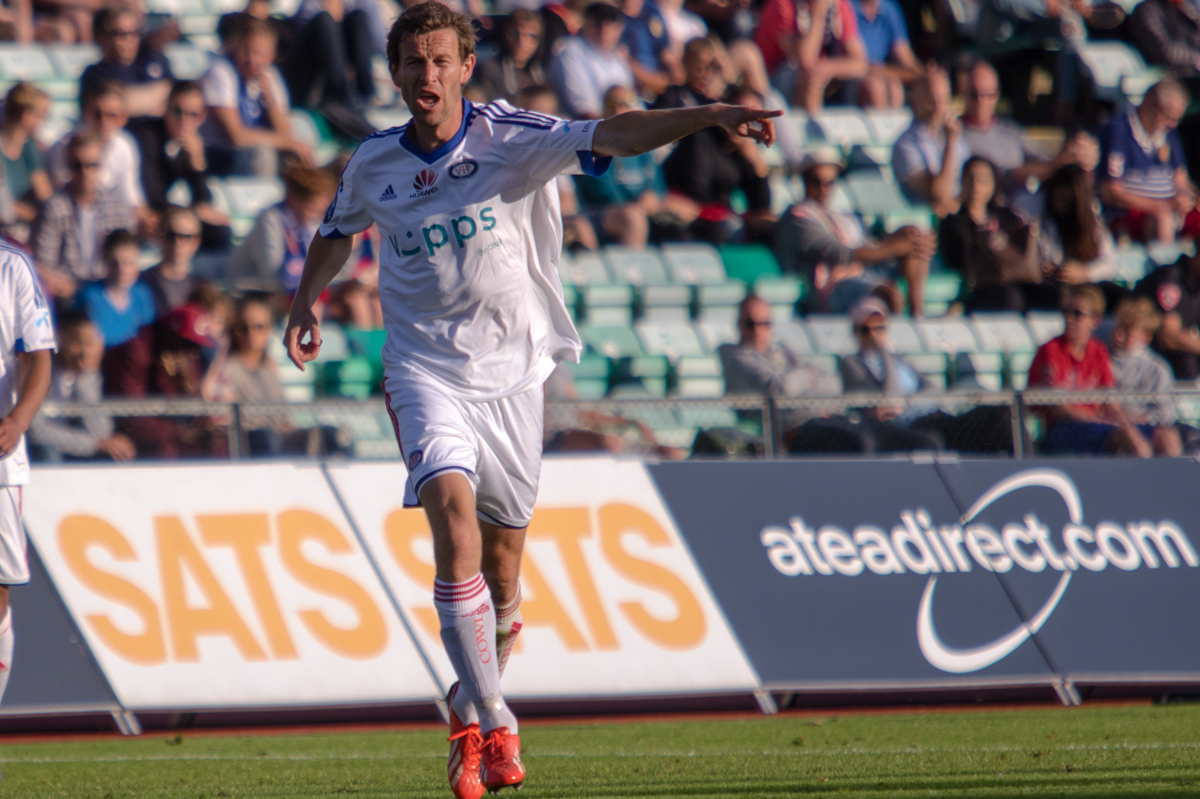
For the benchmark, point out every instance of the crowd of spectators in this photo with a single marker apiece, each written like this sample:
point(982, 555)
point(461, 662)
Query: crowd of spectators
point(118, 212)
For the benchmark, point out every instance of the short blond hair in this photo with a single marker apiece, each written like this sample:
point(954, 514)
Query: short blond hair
point(1139, 312)
point(1088, 294)
point(21, 99)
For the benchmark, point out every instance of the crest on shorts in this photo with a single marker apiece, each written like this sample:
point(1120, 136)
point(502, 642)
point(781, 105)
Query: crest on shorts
point(1169, 295)
point(414, 460)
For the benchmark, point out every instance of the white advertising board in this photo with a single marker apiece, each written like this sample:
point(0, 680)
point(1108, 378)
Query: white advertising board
point(613, 603)
point(221, 586)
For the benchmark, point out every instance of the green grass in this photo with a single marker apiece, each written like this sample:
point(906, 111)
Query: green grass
point(1084, 752)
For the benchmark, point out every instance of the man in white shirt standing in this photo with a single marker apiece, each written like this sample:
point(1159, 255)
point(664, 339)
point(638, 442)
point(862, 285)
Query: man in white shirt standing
point(26, 339)
point(465, 202)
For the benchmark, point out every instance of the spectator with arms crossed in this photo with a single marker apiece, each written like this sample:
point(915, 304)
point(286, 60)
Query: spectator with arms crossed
point(475, 320)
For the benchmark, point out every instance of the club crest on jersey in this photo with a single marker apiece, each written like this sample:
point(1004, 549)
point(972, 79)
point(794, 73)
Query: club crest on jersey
point(423, 183)
point(414, 460)
point(464, 169)
point(388, 194)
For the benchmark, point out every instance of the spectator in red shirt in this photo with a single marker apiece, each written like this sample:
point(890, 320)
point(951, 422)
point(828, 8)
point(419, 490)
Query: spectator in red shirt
point(1076, 361)
point(808, 44)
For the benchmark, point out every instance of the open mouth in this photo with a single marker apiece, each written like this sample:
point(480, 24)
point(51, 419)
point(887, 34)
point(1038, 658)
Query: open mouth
point(427, 100)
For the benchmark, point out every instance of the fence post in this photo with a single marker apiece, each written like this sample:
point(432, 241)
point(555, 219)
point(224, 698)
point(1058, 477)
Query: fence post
point(1017, 417)
point(772, 435)
point(235, 433)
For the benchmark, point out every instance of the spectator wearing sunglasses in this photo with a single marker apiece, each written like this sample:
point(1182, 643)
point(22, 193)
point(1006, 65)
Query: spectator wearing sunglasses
point(172, 151)
point(171, 281)
point(758, 364)
point(126, 60)
point(73, 224)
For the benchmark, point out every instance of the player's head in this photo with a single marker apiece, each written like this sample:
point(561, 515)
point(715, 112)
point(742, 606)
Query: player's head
point(121, 259)
point(80, 342)
point(1137, 321)
point(431, 54)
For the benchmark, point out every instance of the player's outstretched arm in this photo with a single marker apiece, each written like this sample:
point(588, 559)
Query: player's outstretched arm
point(638, 132)
point(326, 257)
point(33, 384)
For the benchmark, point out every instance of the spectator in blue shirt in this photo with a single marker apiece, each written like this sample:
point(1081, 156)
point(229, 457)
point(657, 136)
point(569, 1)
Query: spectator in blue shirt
point(654, 64)
point(1144, 182)
point(120, 304)
point(889, 55)
point(142, 72)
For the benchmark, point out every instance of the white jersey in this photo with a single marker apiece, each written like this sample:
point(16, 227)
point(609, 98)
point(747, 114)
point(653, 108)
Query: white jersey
point(471, 238)
point(25, 326)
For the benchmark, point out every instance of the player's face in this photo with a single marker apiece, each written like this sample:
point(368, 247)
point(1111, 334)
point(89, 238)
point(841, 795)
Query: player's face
point(431, 75)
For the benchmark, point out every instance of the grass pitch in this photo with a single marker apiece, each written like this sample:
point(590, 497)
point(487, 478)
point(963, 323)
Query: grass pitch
point(1127, 751)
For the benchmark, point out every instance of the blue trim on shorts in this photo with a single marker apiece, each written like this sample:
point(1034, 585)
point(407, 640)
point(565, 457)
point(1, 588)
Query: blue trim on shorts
point(421, 483)
point(490, 519)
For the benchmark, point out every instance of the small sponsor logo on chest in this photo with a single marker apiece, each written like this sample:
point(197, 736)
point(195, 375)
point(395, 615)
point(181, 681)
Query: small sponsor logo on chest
point(424, 184)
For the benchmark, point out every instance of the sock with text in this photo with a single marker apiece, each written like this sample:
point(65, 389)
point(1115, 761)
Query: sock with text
point(508, 627)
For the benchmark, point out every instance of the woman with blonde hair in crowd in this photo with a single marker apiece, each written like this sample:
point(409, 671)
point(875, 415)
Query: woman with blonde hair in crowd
point(25, 109)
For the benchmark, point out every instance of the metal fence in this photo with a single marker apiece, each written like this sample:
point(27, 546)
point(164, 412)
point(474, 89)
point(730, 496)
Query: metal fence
point(1004, 423)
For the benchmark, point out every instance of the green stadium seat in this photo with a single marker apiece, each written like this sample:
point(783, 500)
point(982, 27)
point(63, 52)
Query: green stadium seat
point(831, 335)
point(871, 195)
point(919, 217)
point(931, 365)
point(197, 24)
point(666, 303)
point(984, 370)
point(611, 341)
point(779, 290)
point(1045, 325)
point(71, 60)
point(368, 344)
point(571, 300)
point(941, 289)
point(719, 297)
point(177, 8)
point(1002, 332)
point(793, 336)
point(584, 269)
point(887, 125)
point(22, 62)
point(636, 267)
point(947, 335)
point(673, 340)
point(1018, 369)
point(353, 377)
point(187, 61)
point(588, 389)
point(1108, 62)
point(749, 262)
point(607, 305)
point(248, 197)
point(904, 336)
point(844, 127)
point(694, 264)
point(715, 332)
point(652, 373)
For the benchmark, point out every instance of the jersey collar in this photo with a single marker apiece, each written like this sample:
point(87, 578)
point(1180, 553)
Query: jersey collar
point(445, 149)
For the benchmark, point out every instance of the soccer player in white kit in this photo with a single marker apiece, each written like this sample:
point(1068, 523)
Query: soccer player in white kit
point(467, 208)
point(26, 339)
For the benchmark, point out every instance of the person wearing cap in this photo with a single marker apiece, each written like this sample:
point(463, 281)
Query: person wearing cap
point(833, 252)
point(166, 359)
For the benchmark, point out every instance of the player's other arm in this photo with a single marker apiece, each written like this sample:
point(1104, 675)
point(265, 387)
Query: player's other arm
point(637, 132)
point(33, 384)
point(326, 257)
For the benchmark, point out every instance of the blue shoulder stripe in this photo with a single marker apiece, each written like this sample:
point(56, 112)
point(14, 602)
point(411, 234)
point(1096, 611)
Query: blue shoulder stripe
point(520, 121)
point(39, 298)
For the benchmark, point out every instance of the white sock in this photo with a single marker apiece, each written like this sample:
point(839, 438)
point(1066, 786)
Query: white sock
point(508, 627)
point(7, 638)
point(469, 635)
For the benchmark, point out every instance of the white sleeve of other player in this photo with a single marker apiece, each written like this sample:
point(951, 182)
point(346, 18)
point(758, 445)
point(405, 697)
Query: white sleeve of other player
point(347, 214)
point(31, 313)
point(544, 146)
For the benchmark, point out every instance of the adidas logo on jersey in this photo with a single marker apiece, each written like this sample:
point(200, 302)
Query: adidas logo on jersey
point(423, 183)
point(388, 194)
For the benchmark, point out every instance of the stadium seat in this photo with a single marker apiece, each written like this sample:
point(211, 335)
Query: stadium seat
point(1108, 62)
point(187, 61)
point(904, 336)
point(919, 217)
point(984, 370)
point(590, 376)
point(1133, 263)
point(694, 264)
point(666, 303)
point(793, 336)
point(713, 333)
point(780, 291)
point(650, 372)
point(887, 125)
point(719, 299)
point(221, 7)
point(1045, 325)
point(353, 377)
point(71, 60)
point(607, 305)
point(1018, 369)
point(1002, 332)
point(843, 126)
point(948, 335)
point(20, 62)
point(840, 199)
point(248, 197)
point(584, 269)
point(177, 8)
point(611, 341)
point(874, 196)
point(670, 340)
point(941, 289)
point(931, 366)
point(636, 267)
point(749, 262)
point(831, 335)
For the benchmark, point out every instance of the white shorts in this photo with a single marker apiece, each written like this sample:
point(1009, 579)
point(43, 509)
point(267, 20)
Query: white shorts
point(14, 562)
point(497, 444)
